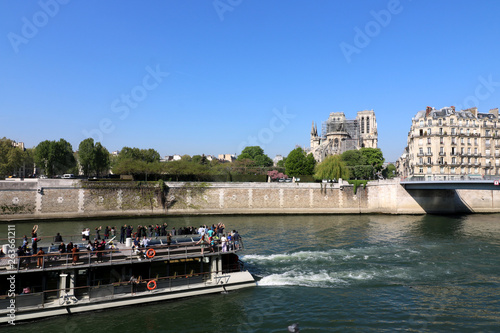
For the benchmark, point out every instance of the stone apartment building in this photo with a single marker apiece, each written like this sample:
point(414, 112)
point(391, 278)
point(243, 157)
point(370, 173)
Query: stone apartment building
point(339, 134)
point(447, 144)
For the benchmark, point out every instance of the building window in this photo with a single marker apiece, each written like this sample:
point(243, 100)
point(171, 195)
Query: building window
point(421, 160)
point(468, 151)
point(451, 121)
point(468, 131)
point(429, 161)
point(362, 125)
point(462, 140)
point(429, 131)
point(421, 151)
point(429, 150)
point(461, 131)
point(367, 124)
point(421, 123)
point(421, 170)
point(488, 143)
point(429, 170)
point(428, 141)
point(475, 141)
point(441, 140)
point(462, 150)
point(475, 151)
point(468, 141)
point(440, 131)
point(453, 160)
point(487, 132)
point(429, 122)
point(441, 150)
point(420, 142)
point(453, 132)
point(454, 141)
point(452, 170)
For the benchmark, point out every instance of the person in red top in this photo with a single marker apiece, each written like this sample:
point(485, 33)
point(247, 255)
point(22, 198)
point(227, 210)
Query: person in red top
point(75, 251)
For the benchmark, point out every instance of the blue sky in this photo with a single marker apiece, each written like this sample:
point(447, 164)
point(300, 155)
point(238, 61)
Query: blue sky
point(210, 77)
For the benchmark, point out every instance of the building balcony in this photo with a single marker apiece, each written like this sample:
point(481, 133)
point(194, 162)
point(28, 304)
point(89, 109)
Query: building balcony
point(428, 154)
point(442, 153)
point(420, 154)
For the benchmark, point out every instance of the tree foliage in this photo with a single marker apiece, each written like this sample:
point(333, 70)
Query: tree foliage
point(256, 154)
point(93, 158)
point(11, 157)
point(55, 157)
point(135, 161)
point(389, 171)
point(363, 163)
point(298, 163)
point(332, 168)
point(374, 157)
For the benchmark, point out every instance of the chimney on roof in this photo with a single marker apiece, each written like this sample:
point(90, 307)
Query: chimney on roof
point(428, 110)
point(473, 111)
point(453, 108)
point(494, 111)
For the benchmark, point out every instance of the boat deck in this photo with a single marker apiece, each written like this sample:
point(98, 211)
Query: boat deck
point(118, 254)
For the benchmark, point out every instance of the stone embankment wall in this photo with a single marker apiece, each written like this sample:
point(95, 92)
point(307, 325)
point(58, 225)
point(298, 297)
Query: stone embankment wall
point(48, 198)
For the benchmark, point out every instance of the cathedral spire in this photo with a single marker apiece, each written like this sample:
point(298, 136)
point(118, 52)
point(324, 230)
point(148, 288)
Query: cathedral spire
point(312, 129)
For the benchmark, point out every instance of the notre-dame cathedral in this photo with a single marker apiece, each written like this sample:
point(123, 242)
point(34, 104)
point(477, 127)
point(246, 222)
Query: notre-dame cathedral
point(339, 134)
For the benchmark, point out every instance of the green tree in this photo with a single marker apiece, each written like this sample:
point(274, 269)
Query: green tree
point(101, 160)
point(298, 163)
point(263, 161)
point(86, 155)
point(135, 161)
point(281, 163)
point(253, 151)
point(244, 156)
point(55, 157)
point(332, 167)
point(93, 158)
point(374, 157)
point(389, 171)
point(11, 157)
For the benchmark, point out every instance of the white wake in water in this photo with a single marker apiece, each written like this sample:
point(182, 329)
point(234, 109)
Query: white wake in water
point(330, 269)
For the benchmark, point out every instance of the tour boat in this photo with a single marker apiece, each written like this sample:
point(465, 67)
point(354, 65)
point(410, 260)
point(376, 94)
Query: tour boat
point(114, 277)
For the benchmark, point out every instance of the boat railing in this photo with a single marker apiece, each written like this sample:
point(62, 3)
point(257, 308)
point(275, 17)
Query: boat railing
point(117, 255)
point(78, 295)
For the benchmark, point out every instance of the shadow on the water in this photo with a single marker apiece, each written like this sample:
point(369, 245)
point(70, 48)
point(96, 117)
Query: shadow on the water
point(440, 201)
point(445, 226)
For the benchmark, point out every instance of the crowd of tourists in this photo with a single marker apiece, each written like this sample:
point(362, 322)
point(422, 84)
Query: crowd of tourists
point(211, 237)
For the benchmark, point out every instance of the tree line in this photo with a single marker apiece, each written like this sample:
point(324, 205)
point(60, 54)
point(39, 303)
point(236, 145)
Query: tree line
point(93, 159)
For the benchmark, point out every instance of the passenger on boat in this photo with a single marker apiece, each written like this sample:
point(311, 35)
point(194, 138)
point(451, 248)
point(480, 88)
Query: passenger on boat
point(62, 248)
point(34, 246)
point(75, 254)
point(58, 238)
point(223, 240)
point(122, 234)
point(25, 242)
point(169, 239)
point(203, 242)
point(39, 260)
point(33, 233)
point(237, 239)
point(106, 232)
point(22, 261)
point(69, 247)
point(97, 232)
point(134, 282)
point(145, 242)
point(86, 234)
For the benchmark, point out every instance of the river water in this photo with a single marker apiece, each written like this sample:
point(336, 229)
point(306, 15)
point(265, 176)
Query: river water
point(329, 273)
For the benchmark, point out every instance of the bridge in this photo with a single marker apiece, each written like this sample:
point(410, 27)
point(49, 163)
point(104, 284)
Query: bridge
point(451, 184)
